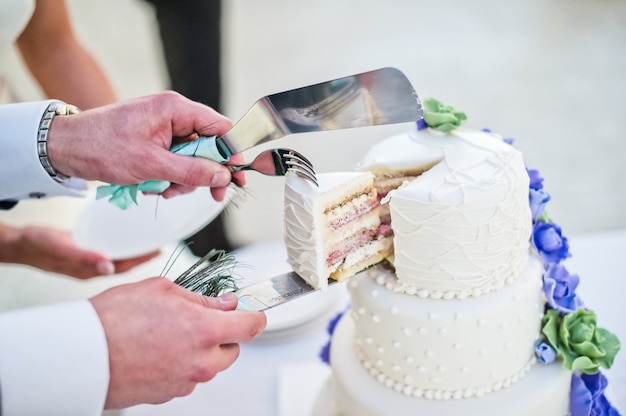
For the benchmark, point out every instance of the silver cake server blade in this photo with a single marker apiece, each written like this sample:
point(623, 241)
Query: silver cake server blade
point(275, 291)
point(374, 98)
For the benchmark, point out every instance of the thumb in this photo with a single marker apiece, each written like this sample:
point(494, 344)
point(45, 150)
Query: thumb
point(89, 263)
point(225, 302)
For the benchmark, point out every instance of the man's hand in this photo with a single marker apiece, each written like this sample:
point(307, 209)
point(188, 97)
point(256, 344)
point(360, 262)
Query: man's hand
point(128, 143)
point(164, 339)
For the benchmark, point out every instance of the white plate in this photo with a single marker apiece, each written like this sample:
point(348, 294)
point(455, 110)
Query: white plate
point(153, 223)
point(261, 261)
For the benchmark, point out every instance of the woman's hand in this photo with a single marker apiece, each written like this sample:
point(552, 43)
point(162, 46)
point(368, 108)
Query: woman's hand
point(55, 251)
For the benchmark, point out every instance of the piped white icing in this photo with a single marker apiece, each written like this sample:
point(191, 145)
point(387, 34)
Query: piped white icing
point(461, 229)
point(304, 236)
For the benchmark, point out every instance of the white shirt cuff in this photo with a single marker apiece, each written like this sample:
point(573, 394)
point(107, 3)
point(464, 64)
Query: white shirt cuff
point(21, 174)
point(53, 360)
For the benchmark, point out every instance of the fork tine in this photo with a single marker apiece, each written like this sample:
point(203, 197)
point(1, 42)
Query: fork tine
point(305, 175)
point(300, 166)
point(300, 157)
point(292, 160)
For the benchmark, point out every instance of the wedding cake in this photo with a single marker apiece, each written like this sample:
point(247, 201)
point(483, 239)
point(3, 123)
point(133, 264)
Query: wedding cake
point(474, 300)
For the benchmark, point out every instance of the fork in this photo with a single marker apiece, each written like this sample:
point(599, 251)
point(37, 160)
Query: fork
point(277, 162)
point(273, 162)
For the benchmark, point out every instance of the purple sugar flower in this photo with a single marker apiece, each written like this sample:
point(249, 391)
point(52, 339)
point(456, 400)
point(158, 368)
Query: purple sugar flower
point(545, 353)
point(332, 324)
point(559, 288)
point(549, 242)
point(421, 124)
point(536, 180)
point(587, 396)
point(325, 353)
point(538, 198)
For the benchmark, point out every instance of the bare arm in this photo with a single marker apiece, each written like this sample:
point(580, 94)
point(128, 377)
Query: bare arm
point(62, 67)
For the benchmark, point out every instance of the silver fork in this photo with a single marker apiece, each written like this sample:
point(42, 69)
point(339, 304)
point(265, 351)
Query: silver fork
point(277, 162)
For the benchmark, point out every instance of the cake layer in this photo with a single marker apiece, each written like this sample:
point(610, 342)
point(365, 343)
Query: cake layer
point(458, 347)
point(331, 231)
point(363, 257)
point(462, 227)
point(543, 391)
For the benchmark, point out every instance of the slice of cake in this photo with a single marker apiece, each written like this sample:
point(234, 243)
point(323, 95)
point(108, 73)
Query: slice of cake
point(333, 231)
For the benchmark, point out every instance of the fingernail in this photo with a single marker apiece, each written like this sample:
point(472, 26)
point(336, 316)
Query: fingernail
point(105, 267)
point(220, 179)
point(228, 297)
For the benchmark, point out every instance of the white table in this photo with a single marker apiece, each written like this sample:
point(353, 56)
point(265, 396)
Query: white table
point(253, 385)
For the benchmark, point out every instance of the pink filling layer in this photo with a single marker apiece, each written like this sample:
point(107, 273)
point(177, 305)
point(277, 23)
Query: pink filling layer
point(354, 215)
point(358, 241)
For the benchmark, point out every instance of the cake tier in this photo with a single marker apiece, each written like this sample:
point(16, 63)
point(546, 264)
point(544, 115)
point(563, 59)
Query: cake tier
point(543, 391)
point(462, 227)
point(462, 348)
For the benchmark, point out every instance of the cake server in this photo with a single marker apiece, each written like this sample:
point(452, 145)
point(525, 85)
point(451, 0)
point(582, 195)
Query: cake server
point(374, 98)
point(272, 292)
point(379, 97)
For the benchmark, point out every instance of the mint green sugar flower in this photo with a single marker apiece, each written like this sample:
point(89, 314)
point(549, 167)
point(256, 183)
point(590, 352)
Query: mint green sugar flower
point(442, 117)
point(579, 341)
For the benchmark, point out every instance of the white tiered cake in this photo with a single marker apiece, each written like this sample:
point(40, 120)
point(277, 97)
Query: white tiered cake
point(457, 320)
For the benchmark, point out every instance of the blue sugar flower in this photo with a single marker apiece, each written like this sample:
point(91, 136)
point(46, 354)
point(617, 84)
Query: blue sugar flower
point(538, 198)
point(325, 353)
point(545, 353)
point(587, 396)
point(332, 324)
point(421, 124)
point(559, 288)
point(549, 242)
point(536, 180)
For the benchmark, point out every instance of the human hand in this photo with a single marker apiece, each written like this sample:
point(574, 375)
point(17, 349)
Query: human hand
point(128, 143)
point(164, 339)
point(55, 251)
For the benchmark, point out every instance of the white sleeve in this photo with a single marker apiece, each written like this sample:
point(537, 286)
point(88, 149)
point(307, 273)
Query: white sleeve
point(21, 174)
point(53, 360)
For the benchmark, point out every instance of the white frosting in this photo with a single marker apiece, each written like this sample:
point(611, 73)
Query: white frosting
point(462, 227)
point(305, 236)
point(543, 391)
point(460, 316)
point(455, 346)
